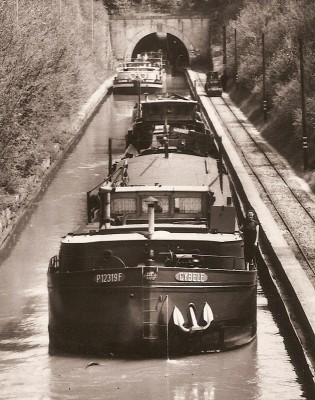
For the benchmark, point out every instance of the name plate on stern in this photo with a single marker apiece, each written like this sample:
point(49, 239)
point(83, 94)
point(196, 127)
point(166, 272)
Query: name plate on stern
point(191, 277)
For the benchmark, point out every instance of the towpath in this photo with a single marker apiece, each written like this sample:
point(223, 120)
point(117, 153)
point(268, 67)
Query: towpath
point(284, 204)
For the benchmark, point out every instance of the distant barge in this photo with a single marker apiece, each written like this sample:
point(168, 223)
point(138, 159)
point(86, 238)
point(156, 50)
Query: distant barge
point(145, 73)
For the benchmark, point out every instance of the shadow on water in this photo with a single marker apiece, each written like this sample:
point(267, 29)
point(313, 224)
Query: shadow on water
point(20, 335)
point(290, 340)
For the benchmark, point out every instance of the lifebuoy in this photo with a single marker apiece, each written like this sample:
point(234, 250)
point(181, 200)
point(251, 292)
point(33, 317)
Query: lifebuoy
point(133, 75)
point(142, 75)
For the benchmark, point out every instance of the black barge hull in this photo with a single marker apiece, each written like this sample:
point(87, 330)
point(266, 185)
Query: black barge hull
point(149, 311)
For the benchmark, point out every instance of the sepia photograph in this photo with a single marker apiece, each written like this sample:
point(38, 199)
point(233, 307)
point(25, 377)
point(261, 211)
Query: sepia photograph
point(157, 199)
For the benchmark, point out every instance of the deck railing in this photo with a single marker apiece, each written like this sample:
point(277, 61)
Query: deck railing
point(171, 260)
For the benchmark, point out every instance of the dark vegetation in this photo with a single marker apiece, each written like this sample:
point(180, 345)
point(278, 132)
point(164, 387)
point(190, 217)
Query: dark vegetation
point(49, 65)
point(283, 22)
point(177, 7)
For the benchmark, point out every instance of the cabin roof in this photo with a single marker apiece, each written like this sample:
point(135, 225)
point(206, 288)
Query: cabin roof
point(160, 188)
point(157, 235)
point(185, 170)
point(181, 169)
point(140, 67)
point(166, 100)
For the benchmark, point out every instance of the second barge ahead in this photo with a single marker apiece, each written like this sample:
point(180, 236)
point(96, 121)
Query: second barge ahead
point(159, 269)
point(145, 73)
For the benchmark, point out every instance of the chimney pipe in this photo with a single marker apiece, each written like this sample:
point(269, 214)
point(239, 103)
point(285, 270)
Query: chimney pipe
point(151, 219)
point(106, 220)
point(151, 201)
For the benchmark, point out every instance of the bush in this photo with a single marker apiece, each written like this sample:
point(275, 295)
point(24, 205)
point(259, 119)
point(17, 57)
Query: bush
point(283, 24)
point(49, 65)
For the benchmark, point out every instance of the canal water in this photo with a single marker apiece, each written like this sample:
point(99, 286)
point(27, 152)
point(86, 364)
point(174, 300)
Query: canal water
point(260, 370)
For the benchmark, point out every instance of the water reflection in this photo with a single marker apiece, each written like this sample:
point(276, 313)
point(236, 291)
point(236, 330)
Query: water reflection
point(221, 376)
point(261, 370)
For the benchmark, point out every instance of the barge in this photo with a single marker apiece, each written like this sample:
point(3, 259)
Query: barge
point(159, 267)
point(143, 74)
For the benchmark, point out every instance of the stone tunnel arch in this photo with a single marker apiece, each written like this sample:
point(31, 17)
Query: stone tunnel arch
point(158, 28)
point(171, 46)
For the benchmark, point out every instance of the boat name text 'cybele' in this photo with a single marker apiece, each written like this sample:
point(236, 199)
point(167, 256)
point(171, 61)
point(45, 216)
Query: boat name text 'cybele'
point(191, 277)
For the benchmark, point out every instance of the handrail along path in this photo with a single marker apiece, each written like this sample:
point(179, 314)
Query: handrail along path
point(285, 207)
point(295, 209)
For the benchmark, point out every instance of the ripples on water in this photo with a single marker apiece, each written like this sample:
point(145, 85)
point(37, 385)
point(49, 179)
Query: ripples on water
point(261, 370)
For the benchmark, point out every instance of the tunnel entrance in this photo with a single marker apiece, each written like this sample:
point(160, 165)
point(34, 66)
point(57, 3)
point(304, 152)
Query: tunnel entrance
point(172, 47)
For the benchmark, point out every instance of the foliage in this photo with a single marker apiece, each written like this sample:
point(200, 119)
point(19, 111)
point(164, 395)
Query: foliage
point(49, 62)
point(283, 23)
point(178, 7)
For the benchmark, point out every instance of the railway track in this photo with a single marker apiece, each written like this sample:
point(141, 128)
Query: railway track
point(292, 206)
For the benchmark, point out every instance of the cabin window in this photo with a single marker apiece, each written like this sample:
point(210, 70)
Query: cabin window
point(153, 109)
point(122, 75)
point(151, 75)
point(187, 205)
point(160, 129)
point(123, 205)
point(162, 206)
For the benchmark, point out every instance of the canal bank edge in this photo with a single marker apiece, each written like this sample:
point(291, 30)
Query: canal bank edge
point(10, 220)
point(295, 281)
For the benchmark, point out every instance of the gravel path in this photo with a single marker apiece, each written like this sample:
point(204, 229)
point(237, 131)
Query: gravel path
point(289, 198)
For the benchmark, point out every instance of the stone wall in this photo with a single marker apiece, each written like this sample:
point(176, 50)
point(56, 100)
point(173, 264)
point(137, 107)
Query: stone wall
point(193, 32)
